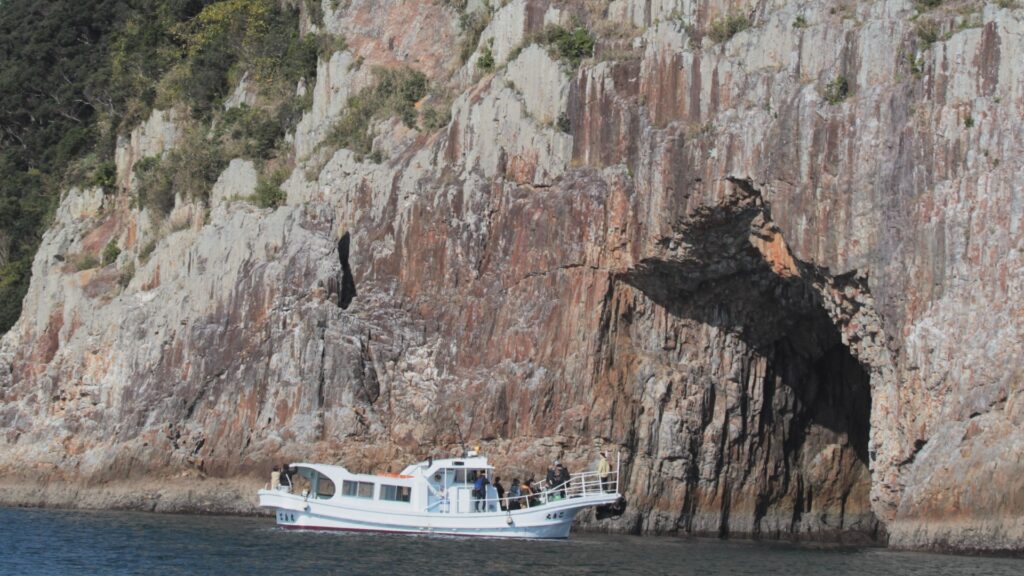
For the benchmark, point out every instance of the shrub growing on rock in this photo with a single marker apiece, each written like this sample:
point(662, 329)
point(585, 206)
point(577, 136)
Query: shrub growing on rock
point(189, 170)
point(724, 28)
point(250, 132)
point(927, 31)
point(104, 176)
point(146, 251)
point(837, 90)
point(155, 187)
point(563, 123)
point(572, 46)
point(110, 253)
point(486, 60)
point(436, 117)
point(473, 25)
point(124, 278)
point(86, 262)
point(394, 94)
point(268, 190)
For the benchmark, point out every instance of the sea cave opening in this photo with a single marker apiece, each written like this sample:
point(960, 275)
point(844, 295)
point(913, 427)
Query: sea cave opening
point(812, 397)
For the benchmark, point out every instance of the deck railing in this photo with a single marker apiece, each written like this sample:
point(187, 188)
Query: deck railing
point(579, 485)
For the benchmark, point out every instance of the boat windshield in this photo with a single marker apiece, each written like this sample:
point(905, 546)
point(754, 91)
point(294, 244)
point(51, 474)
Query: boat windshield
point(317, 485)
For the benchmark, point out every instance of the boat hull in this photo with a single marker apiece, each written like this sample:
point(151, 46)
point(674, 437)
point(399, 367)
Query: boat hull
point(549, 521)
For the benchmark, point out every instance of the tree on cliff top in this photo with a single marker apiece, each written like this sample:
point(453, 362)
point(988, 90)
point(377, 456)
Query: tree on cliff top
point(75, 73)
point(49, 54)
point(58, 92)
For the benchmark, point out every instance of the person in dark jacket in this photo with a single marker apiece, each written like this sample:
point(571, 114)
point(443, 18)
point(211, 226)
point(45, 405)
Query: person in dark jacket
point(562, 478)
point(501, 492)
point(286, 476)
point(552, 474)
point(480, 492)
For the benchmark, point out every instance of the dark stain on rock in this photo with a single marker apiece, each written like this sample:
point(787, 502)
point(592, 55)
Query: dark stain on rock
point(987, 61)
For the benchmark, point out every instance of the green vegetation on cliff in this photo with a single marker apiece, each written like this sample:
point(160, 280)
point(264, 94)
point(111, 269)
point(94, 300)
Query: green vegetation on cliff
point(395, 93)
point(55, 82)
point(75, 74)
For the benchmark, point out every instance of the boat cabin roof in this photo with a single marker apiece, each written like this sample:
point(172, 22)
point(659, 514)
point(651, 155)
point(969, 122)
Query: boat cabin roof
point(469, 463)
point(424, 468)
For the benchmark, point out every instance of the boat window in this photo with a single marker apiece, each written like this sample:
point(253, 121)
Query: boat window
point(324, 488)
point(460, 476)
point(357, 489)
point(365, 490)
point(395, 493)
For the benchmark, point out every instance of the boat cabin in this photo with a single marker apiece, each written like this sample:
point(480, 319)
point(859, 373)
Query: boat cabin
point(442, 486)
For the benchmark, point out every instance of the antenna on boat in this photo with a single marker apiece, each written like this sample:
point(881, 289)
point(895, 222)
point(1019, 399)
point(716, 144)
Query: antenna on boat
point(462, 441)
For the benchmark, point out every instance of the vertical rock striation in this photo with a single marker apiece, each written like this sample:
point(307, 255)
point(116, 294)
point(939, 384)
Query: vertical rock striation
point(794, 311)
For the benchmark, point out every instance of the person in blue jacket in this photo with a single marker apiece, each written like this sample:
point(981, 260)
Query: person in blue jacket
point(480, 492)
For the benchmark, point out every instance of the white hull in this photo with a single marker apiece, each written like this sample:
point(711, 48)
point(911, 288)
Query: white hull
point(551, 520)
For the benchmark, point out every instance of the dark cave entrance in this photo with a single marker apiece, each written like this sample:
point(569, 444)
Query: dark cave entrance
point(820, 398)
point(807, 419)
point(348, 283)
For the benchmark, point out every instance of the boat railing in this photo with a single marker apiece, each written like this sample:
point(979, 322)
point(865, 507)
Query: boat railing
point(579, 485)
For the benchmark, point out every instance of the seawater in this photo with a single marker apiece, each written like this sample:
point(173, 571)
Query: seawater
point(38, 542)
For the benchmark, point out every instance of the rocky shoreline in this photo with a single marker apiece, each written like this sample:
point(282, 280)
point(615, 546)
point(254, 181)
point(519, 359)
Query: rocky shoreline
point(171, 496)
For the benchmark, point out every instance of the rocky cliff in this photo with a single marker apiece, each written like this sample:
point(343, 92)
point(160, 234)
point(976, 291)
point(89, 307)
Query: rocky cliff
point(769, 252)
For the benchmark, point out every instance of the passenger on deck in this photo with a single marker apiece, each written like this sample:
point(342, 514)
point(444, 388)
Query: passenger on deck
point(501, 492)
point(275, 478)
point(513, 495)
point(480, 492)
point(552, 472)
point(557, 476)
point(603, 470)
point(437, 489)
point(286, 477)
point(562, 478)
point(526, 492)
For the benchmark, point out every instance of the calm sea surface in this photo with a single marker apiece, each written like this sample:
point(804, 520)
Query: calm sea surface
point(57, 542)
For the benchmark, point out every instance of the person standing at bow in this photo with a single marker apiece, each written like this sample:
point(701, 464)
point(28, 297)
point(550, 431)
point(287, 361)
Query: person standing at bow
point(604, 471)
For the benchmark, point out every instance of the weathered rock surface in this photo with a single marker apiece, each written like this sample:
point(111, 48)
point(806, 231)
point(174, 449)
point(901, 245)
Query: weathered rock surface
point(791, 316)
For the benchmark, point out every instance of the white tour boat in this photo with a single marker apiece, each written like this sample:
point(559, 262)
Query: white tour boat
point(433, 497)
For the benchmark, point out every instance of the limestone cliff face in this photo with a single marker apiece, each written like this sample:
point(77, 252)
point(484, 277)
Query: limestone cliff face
point(793, 309)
